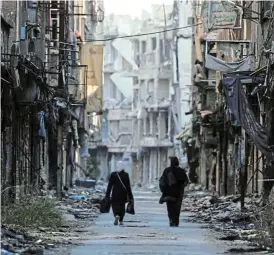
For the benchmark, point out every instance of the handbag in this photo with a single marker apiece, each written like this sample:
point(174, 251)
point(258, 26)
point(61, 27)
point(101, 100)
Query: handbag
point(130, 208)
point(128, 199)
point(105, 205)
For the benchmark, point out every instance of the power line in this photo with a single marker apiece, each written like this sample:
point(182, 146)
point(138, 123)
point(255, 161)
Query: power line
point(137, 35)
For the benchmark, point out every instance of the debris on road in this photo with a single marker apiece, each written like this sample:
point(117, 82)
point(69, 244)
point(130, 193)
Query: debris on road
point(79, 208)
point(224, 214)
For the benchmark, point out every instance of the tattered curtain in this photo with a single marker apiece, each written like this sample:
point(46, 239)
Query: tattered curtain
point(239, 106)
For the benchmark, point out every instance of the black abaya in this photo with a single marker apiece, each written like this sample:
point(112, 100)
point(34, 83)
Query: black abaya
point(174, 210)
point(119, 192)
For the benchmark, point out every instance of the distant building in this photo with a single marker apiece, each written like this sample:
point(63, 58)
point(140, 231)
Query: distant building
point(138, 119)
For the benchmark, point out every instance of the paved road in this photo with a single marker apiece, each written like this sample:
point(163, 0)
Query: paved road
point(148, 232)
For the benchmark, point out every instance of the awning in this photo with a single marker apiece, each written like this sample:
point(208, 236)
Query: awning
point(205, 113)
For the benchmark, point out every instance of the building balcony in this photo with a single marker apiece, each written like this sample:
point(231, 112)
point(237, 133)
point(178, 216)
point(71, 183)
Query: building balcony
point(119, 141)
point(147, 59)
point(156, 106)
point(149, 141)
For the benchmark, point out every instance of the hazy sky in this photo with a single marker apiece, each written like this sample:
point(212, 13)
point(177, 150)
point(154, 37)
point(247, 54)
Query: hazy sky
point(131, 7)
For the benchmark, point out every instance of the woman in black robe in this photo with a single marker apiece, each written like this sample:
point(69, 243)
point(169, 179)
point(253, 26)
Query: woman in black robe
point(177, 180)
point(121, 193)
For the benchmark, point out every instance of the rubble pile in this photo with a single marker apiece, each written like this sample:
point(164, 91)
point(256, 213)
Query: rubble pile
point(224, 214)
point(20, 242)
point(79, 207)
point(82, 204)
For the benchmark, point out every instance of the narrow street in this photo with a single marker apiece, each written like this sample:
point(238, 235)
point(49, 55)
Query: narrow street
point(148, 233)
point(92, 89)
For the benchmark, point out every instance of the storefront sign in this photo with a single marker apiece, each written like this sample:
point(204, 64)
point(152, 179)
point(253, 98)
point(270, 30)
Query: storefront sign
point(218, 14)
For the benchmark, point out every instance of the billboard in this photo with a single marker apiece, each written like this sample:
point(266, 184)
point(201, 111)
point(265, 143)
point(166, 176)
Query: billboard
point(218, 15)
point(92, 55)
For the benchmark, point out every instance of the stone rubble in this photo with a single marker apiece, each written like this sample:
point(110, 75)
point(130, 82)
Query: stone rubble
point(81, 206)
point(224, 214)
point(78, 214)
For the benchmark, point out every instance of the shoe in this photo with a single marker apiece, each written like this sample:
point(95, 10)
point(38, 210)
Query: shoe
point(121, 223)
point(171, 223)
point(116, 220)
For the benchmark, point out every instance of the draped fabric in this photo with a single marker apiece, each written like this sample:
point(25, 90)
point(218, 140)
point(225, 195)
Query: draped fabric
point(239, 107)
point(217, 64)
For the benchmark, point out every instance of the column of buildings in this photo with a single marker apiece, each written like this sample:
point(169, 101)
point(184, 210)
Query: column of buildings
point(229, 148)
point(49, 90)
point(138, 118)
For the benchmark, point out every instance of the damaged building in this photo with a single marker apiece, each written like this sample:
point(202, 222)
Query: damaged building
point(137, 119)
point(45, 94)
point(232, 97)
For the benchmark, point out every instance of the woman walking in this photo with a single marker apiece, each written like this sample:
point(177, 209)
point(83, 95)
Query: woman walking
point(174, 181)
point(121, 193)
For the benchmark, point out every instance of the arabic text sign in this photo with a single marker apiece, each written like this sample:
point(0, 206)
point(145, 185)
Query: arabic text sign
point(218, 14)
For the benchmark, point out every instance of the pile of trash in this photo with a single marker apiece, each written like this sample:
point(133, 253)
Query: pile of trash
point(79, 207)
point(81, 203)
point(224, 214)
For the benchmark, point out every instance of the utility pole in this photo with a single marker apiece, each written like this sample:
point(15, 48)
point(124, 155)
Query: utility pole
point(60, 86)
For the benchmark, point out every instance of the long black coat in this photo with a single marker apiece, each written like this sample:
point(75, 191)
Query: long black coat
point(176, 190)
point(119, 193)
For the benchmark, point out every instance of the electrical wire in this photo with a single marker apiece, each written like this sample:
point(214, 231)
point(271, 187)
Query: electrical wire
point(138, 35)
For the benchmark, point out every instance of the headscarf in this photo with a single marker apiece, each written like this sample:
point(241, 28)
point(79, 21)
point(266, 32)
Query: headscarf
point(119, 166)
point(174, 162)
